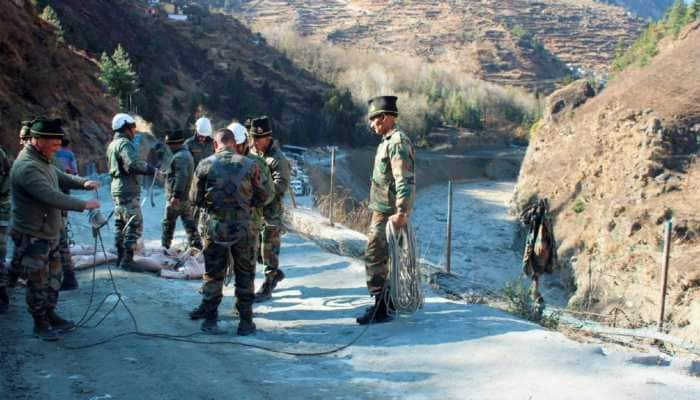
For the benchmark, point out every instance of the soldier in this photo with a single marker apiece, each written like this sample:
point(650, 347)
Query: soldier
point(124, 168)
point(227, 186)
point(268, 149)
point(240, 134)
point(36, 214)
point(5, 210)
point(177, 186)
point(391, 199)
point(200, 145)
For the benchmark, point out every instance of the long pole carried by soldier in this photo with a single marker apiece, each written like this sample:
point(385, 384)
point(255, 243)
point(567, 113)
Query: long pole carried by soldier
point(227, 186)
point(266, 147)
point(37, 202)
point(177, 185)
point(124, 168)
point(391, 199)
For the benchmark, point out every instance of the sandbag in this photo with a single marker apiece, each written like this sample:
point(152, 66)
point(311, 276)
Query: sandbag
point(84, 261)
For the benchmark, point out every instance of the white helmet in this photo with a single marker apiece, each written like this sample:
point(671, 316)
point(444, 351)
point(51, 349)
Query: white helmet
point(203, 126)
point(239, 132)
point(122, 119)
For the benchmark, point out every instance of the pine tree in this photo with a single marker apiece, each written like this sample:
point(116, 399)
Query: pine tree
point(117, 74)
point(675, 18)
point(693, 11)
point(50, 16)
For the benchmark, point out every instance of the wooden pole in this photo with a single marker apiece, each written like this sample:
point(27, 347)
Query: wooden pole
point(449, 226)
point(664, 273)
point(332, 190)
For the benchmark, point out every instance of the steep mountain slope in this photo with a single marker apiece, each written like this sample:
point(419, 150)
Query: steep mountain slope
point(210, 64)
point(501, 41)
point(653, 9)
point(616, 167)
point(40, 76)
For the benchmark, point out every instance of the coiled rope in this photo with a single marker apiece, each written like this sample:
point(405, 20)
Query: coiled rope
point(404, 292)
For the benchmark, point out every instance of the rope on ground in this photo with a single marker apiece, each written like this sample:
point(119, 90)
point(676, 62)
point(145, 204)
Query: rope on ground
point(405, 287)
point(177, 338)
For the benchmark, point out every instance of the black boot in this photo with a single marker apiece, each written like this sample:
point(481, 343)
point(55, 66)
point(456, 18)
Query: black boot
point(199, 312)
point(211, 325)
point(4, 300)
point(127, 263)
point(246, 326)
point(58, 323)
point(69, 281)
point(265, 292)
point(42, 329)
point(375, 314)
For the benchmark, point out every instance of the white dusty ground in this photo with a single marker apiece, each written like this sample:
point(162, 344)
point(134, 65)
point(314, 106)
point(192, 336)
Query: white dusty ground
point(448, 350)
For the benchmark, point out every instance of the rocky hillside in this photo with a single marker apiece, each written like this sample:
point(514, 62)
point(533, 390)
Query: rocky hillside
point(616, 167)
point(508, 42)
point(41, 76)
point(210, 64)
point(653, 9)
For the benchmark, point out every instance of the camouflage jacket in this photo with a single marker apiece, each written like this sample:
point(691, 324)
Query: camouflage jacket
point(279, 170)
point(199, 151)
point(37, 200)
point(177, 182)
point(393, 176)
point(5, 166)
point(227, 186)
point(125, 166)
point(266, 179)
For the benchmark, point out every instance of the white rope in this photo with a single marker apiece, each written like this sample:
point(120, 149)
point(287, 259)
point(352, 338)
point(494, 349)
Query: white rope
point(405, 280)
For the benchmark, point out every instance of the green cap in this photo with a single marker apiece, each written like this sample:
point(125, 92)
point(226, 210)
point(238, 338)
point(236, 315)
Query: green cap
point(47, 128)
point(382, 105)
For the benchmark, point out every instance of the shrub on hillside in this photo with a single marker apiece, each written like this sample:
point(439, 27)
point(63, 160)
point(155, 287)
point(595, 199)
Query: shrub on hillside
point(428, 96)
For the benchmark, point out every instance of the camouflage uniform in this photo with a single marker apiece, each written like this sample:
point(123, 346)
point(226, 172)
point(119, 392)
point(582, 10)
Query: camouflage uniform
point(37, 203)
point(177, 185)
point(124, 168)
point(227, 186)
point(393, 190)
point(269, 184)
point(272, 213)
point(199, 151)
point(5, 210)
point(69, 282)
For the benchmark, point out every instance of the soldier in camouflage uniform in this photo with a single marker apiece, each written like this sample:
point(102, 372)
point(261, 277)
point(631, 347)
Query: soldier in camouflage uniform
point(391, 199)
point(5, 210)
point(200, 145)
point(124, 168)
point(36, 214)
point(227, 186)
point(14, 270)
point(177, 187)
point(268, 149)
point(240, 134)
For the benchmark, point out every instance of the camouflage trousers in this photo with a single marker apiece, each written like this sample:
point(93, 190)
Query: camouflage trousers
point(217, 257)
point(128, 222)
point(377, 254)
point(184, 211)
point(270, 243)
point(41, 264)
point(5, 209)
point(64, 246)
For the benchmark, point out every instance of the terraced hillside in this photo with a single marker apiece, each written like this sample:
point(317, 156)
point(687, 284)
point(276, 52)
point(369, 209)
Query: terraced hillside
point(506, 41)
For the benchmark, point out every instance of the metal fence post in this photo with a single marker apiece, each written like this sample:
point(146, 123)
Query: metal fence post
point(449, 227)
point(664, 273)
point(332, 191)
